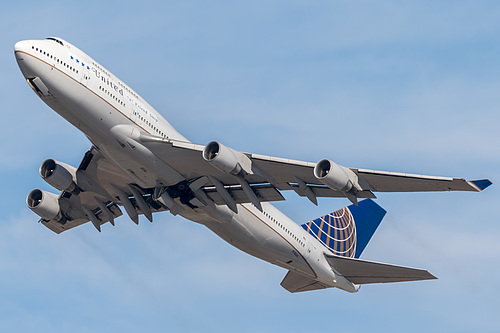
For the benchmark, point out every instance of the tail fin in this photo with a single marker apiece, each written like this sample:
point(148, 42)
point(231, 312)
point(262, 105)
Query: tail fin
point(347, 231)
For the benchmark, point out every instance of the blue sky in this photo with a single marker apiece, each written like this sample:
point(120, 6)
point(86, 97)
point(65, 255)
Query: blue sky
point(411, 87)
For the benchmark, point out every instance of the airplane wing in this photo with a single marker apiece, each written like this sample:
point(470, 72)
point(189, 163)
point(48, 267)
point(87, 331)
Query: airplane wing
point(105, 187)
point(363, 272)
point(287, 174)
point(91, 201)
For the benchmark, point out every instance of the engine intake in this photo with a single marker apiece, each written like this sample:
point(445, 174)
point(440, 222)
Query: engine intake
point(59, 175)
point(226, 159)
point(44, 204)
point(336, 177)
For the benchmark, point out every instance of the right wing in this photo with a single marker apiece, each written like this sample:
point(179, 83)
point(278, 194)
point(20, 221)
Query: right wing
point(96, 178)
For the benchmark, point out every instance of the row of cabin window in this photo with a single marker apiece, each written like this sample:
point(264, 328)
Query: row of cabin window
point(112, 96)
point(56, 59)
point(282, 227)
point(119, 83)
point(100, 87)
point(149, 124)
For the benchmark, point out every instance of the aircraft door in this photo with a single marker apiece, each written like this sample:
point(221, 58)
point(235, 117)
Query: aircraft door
point(133, 112)
point(308, 250)
point(85, 76)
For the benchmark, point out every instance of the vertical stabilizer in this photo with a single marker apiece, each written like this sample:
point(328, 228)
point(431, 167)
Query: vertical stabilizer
point(347, 231)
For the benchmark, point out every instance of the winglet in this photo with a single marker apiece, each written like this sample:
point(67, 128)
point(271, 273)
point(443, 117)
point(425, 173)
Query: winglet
point(480, 184)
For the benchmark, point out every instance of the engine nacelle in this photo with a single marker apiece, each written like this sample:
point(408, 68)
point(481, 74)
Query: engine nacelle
point(334, 176)
point(44, 204)
point(226, 159)
point(59, 175)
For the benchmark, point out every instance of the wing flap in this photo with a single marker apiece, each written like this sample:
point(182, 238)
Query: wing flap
point(59, 227)
point(364, 272)
point(322, 191)
point(265, 193)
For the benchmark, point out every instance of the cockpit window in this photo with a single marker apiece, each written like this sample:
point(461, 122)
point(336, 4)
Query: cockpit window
point(55, 40)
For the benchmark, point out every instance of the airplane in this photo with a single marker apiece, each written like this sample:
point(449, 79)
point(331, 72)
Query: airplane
point(139, 162)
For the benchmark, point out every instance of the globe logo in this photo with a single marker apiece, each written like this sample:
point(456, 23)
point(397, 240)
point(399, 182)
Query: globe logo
point(336, 231)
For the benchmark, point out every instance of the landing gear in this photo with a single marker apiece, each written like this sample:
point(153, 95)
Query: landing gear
point(180, 190)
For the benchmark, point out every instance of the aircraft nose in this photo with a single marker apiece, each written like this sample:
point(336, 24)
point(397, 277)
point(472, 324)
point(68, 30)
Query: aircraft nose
point(21, 46)
point(25, 62)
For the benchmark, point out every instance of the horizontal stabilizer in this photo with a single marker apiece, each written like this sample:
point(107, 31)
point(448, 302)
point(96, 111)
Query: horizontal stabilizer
point(295, 283)
point(363, 272)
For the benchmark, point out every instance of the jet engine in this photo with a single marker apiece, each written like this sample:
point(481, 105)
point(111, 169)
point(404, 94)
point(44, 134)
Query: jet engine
point(226, 159)
point(44, 204)
point(59, 175)
point(336, 177)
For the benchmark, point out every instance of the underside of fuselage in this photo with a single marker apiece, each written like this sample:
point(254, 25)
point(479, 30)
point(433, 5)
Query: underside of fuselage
point(251, 234)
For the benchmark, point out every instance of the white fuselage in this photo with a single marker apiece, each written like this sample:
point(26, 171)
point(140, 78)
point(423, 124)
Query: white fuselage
point(100, 105)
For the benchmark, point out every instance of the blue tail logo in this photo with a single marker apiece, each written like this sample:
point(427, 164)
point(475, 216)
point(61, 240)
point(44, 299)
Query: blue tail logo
point(347, 231)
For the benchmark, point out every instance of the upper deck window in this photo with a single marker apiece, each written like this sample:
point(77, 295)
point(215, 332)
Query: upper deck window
point(55, 40)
